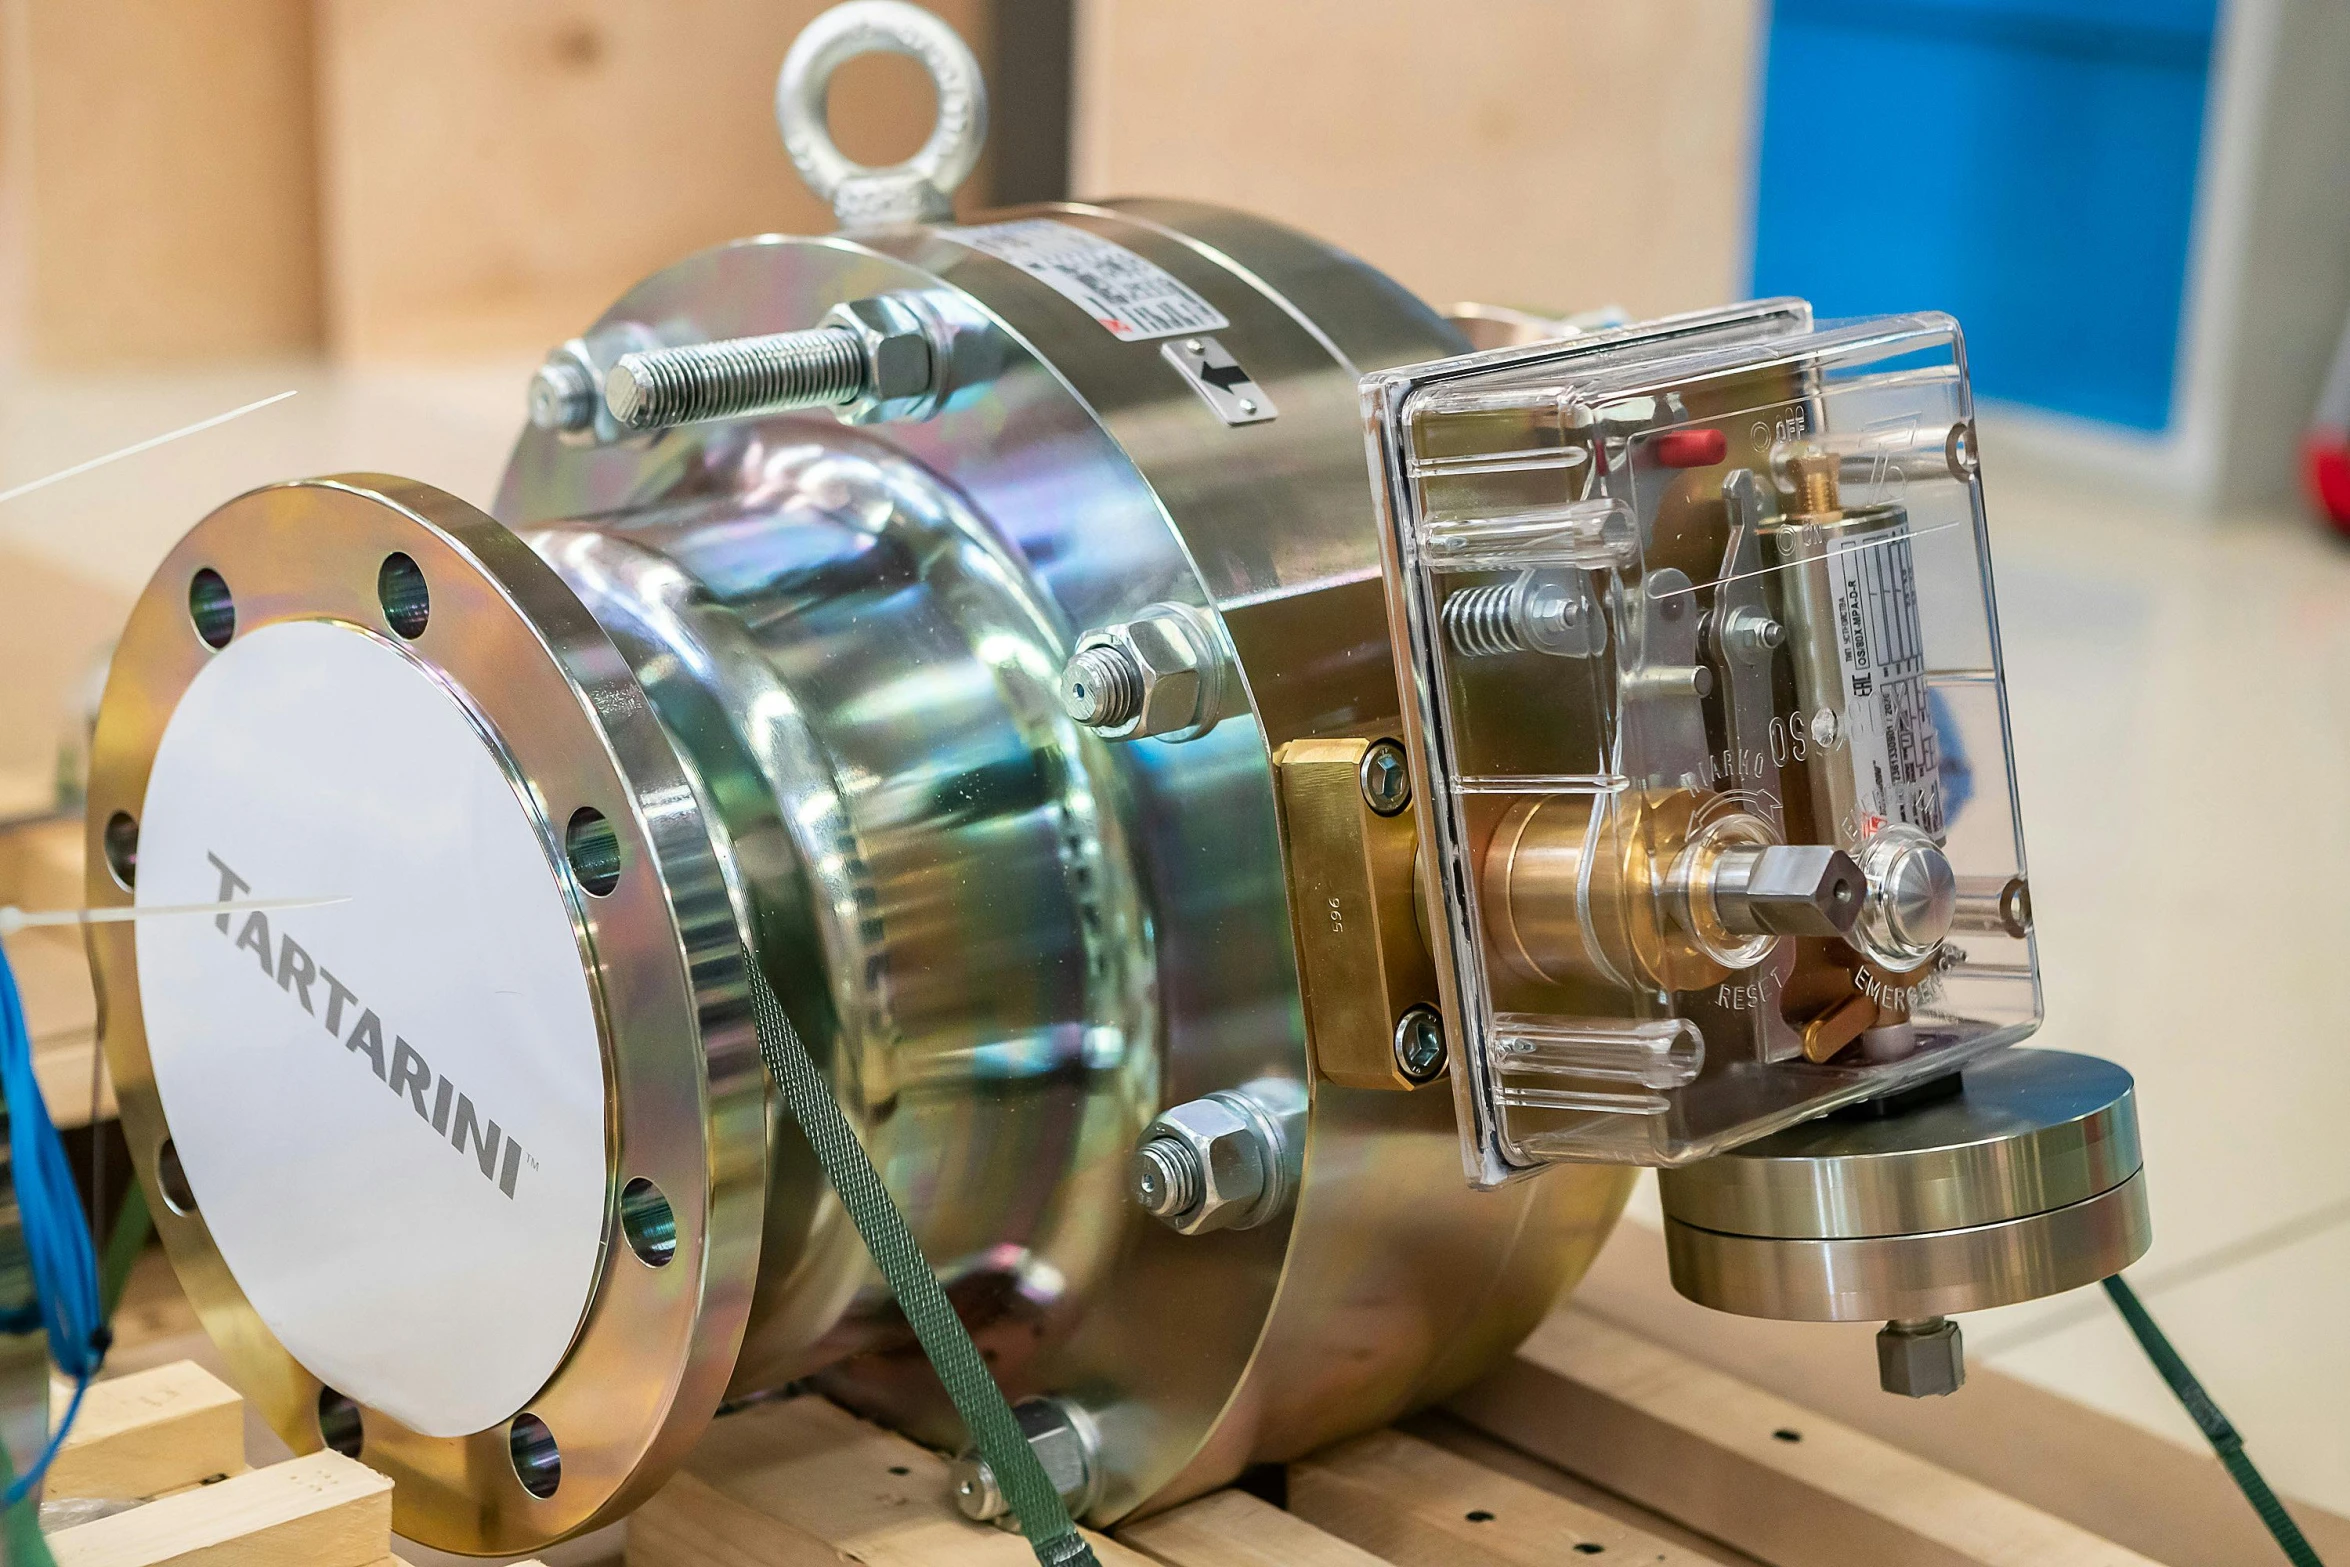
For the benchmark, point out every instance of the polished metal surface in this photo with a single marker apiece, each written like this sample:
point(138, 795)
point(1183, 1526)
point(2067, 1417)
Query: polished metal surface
point(2031, 1130)
point(1108, 486)
point(686, 1099)
point(1932, 1274)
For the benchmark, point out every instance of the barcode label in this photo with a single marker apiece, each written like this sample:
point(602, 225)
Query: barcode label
point(1133, 299)
point(1888, 719)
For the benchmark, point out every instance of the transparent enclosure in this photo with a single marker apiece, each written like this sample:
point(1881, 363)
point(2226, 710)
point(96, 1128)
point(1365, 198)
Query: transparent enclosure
point(1710, 737)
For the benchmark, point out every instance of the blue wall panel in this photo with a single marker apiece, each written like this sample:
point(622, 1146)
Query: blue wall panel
point(2027, 165)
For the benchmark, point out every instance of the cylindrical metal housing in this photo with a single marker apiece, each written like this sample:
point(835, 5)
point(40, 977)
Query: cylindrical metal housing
point(808, 677)
point(2022, 1180)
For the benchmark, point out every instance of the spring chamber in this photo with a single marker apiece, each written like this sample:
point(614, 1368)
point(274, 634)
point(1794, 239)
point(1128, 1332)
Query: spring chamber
point(1009, 942)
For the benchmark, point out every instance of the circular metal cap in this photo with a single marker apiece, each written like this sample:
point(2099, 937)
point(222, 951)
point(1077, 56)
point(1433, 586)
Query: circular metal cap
point(2024, 1183)
point(1913, 897)
point(388, 1136)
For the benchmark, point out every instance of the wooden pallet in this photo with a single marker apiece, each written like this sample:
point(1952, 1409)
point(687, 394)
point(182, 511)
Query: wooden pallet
point(1593, 1444)
point(171, 1440)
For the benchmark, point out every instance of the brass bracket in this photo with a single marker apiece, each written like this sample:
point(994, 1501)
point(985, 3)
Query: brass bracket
point(1361, 958)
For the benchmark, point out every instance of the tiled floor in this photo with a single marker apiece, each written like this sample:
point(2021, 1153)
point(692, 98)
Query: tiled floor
point(2181, 692)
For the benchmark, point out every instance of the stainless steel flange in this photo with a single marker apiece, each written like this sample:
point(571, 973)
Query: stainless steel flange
point(363, 689)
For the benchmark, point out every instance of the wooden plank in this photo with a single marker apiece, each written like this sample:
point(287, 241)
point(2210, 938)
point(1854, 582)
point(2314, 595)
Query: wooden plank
point(1780, 1482)
point(167, 175)
point(805, 1482)
point(2109, 1476)
point(495, 175)
point(1235, 1529)
point(321, 1510)
point(1449, 1433)
point(149, 1432)
point(1273, 109)
point(1412, 1503)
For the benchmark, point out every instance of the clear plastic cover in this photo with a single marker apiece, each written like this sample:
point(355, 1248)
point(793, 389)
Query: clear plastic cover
point(1710, 737)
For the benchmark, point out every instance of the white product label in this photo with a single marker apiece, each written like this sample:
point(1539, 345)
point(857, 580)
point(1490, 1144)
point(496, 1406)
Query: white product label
point(1132, 298)
point(1888, 720)
point(391, 1108)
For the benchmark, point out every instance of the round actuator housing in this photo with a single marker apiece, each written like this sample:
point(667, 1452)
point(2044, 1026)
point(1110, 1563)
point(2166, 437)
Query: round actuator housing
point(2019, 1179)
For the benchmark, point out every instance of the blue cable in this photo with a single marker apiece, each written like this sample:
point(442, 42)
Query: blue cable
point(56, 1237)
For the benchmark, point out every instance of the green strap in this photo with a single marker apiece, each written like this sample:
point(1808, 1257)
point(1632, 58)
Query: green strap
point(21, 1544)
point(994, 1431)
point(2216, 1427)
point(132, 1226)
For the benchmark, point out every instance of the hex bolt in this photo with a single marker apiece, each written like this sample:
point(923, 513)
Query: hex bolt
point(1158, 676)
point(1789, 890)
point(1227, 1161)
point(1921, 1357)
point(1102, 688)
point(1066, 1442)
point(1752, 635)
point(1166, 1177)
point(1419, 1044)
point(822, 367)
point(562, 395)
point(1386, 778)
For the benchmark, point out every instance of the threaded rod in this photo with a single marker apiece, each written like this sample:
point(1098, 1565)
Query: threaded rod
point(821, 367)
point(1101, 688)
point(1482, 622)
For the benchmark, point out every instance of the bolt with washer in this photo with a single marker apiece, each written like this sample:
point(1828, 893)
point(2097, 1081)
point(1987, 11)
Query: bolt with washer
point(1753, 636)
point(1386, 778)
point(1159, 676)
point(1419, 1044)
point(1223, 1162)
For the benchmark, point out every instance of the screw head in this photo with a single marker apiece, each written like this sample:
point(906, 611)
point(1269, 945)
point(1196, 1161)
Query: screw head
point(1387, 778)
point(1419, 1044)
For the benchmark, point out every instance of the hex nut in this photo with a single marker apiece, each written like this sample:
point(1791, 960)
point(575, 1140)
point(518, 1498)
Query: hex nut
point(903, 361)
point(1227, 1148)
point(1180, 672)
point(1921, 1359)
point(1067, 1444)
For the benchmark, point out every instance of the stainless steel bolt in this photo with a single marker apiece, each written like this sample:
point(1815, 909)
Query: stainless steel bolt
point(1228, 1160)
point(1753, 635)
point(1067, 1443)
point(977, 1496)
point(1102, 688)
point(1157, 676)
point(1166, 1177)
point(1386, 778)
point(822, 367)
point(562, 395)
point(1419, 1044)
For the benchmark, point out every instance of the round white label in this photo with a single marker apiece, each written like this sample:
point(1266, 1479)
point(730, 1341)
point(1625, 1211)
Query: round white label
point(390, 1108)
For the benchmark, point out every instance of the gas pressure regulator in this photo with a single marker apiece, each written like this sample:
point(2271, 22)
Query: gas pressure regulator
point(1254, 921)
